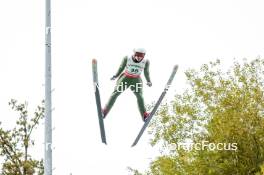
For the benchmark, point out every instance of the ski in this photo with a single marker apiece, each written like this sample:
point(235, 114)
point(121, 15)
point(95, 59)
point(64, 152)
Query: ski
point(175, 68)
point(98, 100)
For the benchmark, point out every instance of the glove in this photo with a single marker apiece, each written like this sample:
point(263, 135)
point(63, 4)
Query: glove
point(113, 78)
point(149, 84)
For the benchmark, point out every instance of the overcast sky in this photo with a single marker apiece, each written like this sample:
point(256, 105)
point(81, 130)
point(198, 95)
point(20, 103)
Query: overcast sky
point(188, 33)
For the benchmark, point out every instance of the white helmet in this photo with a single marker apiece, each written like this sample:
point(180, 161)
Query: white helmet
point(139, 50)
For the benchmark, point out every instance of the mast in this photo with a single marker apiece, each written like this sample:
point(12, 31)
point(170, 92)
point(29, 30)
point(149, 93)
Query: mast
point(48, 102)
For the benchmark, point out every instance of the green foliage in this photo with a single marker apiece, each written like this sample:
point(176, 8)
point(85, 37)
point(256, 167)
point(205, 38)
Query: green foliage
point(133, 171)
point(218, 107)
point(15, 143)
point(261, 170)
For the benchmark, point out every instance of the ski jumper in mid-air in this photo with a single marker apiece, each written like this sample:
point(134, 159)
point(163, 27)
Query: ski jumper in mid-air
point(128, 76)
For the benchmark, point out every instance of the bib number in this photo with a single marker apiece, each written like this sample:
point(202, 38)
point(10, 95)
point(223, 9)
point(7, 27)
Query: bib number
point(134, 71)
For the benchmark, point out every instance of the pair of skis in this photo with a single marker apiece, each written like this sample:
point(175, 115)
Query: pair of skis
point(99, 108)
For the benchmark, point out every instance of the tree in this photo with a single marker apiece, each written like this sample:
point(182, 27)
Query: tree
point(15, 143)
point(222, 109)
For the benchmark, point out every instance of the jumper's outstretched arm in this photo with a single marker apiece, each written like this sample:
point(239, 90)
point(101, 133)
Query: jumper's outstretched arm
point(121, 67)
point(146, 71)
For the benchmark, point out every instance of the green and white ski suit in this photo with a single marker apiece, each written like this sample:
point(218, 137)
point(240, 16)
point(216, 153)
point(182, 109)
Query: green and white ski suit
point(130, 78)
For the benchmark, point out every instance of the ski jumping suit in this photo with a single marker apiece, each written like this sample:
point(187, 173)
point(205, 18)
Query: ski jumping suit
point(130, 78)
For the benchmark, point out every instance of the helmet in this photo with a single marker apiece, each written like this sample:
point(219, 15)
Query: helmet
point(139, 54)
point(139, 50)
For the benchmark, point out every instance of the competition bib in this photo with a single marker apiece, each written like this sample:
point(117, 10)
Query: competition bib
point(134, 68)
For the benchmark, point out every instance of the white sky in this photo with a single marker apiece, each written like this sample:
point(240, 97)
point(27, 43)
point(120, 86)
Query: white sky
point(187, 33)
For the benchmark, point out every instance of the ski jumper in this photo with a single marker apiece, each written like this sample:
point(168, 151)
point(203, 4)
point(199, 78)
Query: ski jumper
point(130, 78)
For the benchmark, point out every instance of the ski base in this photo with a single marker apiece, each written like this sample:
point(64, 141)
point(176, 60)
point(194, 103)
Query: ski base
point(175, 68)
point(98, 101)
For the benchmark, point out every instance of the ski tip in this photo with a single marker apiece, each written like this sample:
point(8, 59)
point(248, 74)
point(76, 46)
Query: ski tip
point(94, 61)
point(175, 67)
point(135, 143)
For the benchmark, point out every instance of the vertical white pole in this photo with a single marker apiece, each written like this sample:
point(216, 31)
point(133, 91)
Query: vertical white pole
point(48, 104)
